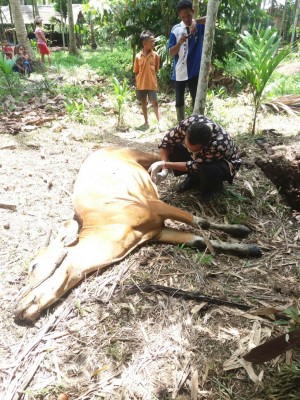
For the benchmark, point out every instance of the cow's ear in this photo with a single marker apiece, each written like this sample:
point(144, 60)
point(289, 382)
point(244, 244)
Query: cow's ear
point(68, 234)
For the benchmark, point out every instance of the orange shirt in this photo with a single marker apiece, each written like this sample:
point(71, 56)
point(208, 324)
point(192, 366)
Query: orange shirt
point(145, 68)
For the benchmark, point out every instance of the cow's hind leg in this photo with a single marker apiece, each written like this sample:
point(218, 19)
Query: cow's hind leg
point(173, 236)
point(167, 211)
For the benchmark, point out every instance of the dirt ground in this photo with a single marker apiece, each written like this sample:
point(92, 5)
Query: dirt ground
point(100, 341)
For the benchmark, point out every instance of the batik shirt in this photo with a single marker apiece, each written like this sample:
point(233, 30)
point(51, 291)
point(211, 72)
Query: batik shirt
point(187, 61)
point(221, 146)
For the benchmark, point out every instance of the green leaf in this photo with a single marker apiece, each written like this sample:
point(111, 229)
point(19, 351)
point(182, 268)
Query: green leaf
point(260, 55)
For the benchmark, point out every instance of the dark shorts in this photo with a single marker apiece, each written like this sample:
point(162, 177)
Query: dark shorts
point(142, 94)
point(43, 48)
point(210, 174)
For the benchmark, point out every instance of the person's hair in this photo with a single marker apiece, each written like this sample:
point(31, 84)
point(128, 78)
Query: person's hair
point(145, 35)
point(184, 4)
point(38, 20)
point(16, 49)
point(199, 133)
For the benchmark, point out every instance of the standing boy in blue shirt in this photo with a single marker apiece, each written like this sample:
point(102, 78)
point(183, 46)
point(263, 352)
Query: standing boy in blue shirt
point(185, 45)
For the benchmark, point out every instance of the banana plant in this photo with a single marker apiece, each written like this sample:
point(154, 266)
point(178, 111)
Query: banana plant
point(260, 55)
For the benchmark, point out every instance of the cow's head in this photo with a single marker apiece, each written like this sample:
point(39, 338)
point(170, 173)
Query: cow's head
point(48, 259)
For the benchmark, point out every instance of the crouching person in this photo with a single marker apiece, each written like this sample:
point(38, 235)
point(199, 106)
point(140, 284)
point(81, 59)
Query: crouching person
point(200, 149)
point(23, 62)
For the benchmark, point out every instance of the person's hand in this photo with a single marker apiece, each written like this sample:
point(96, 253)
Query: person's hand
point(193, 27)
point(157, 173)
point(183, 39)
point(161, 176)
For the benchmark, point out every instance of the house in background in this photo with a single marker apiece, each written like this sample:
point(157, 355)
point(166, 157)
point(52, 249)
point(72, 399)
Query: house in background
point(51, 20)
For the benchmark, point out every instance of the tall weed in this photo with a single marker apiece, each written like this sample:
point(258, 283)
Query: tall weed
point(122, 93)
point(7, 74)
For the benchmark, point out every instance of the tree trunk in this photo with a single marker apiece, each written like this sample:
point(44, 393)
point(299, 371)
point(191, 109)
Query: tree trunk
point(93, 39)
point(196, 8)
point(21, 32)
point(262, 5)
point(211, 17)
point(282, 25)
point(62, 24)
point(35, 10)
point(296, 15)
point(72, 40)
point(1, 22)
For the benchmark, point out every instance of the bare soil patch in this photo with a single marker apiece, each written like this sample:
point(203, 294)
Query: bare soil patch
point(281, 166)
point(100, 342)
point(289, 69)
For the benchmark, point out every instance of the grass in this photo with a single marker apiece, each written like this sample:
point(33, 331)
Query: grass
point(281, 85)
point(105, 62)
point(86, 80)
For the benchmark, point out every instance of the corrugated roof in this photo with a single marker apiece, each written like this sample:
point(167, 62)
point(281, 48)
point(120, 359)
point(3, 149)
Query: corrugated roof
point(45, 12)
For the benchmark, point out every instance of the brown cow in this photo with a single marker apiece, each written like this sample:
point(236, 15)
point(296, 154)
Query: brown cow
point(117, 209)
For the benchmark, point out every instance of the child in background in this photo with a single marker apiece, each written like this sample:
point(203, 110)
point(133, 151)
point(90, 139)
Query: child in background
point(146, 66)
point(41, 41)
point(22, 64)
point(7, 51)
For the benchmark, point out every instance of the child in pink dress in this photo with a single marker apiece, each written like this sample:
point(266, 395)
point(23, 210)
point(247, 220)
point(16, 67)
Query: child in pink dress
point(41, 41)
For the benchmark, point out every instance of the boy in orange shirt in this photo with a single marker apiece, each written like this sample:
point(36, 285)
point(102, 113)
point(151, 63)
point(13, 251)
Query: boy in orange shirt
point(146, 66)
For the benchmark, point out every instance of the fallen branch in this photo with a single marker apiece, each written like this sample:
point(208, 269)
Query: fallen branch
point(274, 347)
point(8, 206)
point(198, 296)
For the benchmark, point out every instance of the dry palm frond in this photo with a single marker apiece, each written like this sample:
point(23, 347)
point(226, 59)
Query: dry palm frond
point(286, 385)
point(289, 104)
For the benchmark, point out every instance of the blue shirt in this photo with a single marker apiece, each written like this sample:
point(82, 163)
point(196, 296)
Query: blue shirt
point(187, 61)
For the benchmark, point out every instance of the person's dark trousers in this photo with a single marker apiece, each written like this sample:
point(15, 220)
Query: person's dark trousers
point(180, 89)
point(211, 175)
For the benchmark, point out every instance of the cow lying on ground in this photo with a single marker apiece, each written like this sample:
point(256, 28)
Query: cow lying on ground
point(116, 209)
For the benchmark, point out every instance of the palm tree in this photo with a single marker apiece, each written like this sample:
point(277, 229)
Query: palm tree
point(35, 9)
point(260, 55)
point(296, 15)
point(282, 31)
point(20, 26)
point(72, 40)
point(93, 37)
point(212, 10)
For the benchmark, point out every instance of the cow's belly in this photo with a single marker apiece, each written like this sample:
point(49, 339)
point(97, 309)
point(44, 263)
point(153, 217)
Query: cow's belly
point(129, 212)
point(116, 181)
